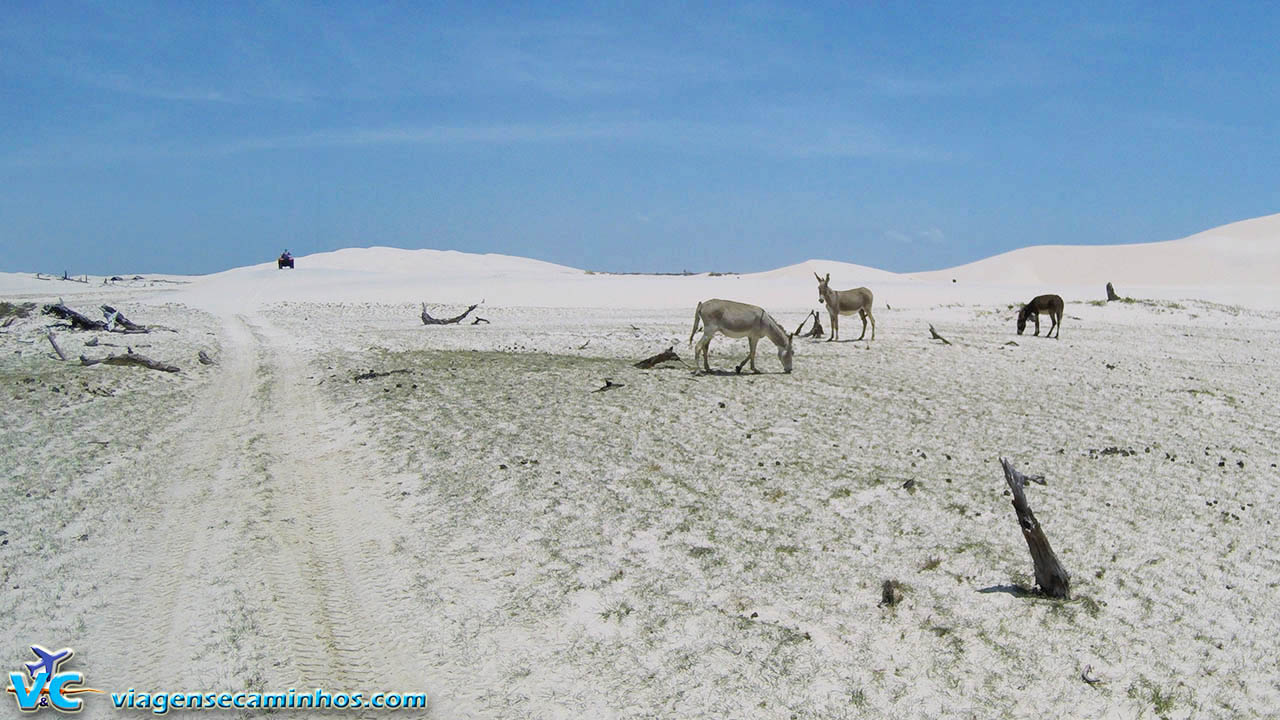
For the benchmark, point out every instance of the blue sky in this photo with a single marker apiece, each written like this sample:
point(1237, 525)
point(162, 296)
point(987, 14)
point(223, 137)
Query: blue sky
point(193, 136)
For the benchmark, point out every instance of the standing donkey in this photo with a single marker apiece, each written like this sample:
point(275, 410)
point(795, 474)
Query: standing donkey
point(845, 302)
point(737, 320)
point(1051, 304)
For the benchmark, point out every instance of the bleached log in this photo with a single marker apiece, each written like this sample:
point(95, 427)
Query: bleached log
point(78, 321)
point(1051, 577)
point(936, 336)
point(115, 318)
point(49, 334)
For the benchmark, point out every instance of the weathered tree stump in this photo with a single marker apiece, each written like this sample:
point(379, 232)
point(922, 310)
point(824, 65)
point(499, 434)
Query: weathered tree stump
point(890, 593)
point(934, 334)
point(1051, 577)
point(1111, 293)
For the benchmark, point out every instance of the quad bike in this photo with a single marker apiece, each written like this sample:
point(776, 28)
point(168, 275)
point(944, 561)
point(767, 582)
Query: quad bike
point(285, 260)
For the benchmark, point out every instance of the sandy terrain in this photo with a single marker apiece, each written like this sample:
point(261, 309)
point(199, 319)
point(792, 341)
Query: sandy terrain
point(485, 528)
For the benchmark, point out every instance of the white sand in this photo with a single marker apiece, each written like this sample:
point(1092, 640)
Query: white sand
point(486, 529)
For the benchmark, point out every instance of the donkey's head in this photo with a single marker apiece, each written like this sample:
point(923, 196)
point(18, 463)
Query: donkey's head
point(786, 353)
point(1023, 314)
point(823, 287)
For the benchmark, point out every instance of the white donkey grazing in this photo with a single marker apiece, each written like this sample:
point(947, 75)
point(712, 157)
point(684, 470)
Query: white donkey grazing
point(845, 302)
point(737, 320)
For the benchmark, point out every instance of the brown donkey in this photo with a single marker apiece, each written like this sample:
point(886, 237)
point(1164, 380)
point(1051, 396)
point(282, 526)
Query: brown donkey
point(1051, 304)
point(845, 302)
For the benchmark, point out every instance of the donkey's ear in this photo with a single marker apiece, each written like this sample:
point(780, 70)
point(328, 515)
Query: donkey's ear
point(818, 276)
point(828, 277)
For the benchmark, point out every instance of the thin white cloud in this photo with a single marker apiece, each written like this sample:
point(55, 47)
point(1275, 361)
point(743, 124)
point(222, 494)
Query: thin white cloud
point(787, 141)
point(930, 236)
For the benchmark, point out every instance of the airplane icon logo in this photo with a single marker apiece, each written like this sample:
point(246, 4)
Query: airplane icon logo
point(49, 661)
point(49, 684)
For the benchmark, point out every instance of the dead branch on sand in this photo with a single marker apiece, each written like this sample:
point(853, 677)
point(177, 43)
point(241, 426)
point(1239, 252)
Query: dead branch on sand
point(428, 320)
point(49, 334)
point(371, 374)
point(115, 319)
point(816, 330)
point(78, 321)
point(664, 356)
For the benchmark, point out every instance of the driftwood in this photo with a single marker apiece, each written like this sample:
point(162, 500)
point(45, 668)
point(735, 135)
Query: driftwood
point(609, 384)
point(428, 320)
point(371, 374)
point(204, 358)
point(890, 593)
point(130, 358)
point(665, 355)
point(115, 318)
point(49, 334)
point(1051, 577)
point(816, 331)
point(934, 334)
point(477, 320)
point(78, 321)
point(1111, 293)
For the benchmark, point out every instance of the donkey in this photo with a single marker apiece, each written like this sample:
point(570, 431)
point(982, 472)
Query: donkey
point(737, 320)
point(845, 302)
point(1051, 304)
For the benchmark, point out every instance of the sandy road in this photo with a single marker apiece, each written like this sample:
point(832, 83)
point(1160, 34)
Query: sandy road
point(255, 567)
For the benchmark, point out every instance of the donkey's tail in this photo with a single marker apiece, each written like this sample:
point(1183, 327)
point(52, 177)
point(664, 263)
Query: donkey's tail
point(697, 315)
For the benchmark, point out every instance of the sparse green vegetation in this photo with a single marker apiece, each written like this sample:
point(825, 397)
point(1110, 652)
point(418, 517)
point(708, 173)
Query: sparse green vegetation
point(16, 310)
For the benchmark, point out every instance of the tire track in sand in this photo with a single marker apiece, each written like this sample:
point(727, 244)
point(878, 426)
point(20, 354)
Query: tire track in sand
point(265, 565)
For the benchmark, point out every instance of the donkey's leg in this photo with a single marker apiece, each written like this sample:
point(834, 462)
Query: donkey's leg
point(1037, 316)
point(863, 315)
point(1057, 324)
point(703, 346)
point(835, 325)
point(873, 323)
point(750, 358)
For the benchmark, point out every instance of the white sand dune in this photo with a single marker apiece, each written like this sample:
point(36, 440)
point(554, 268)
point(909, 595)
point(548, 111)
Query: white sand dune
point(473, 521)
point(1236, 263)
point(1242, 253)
